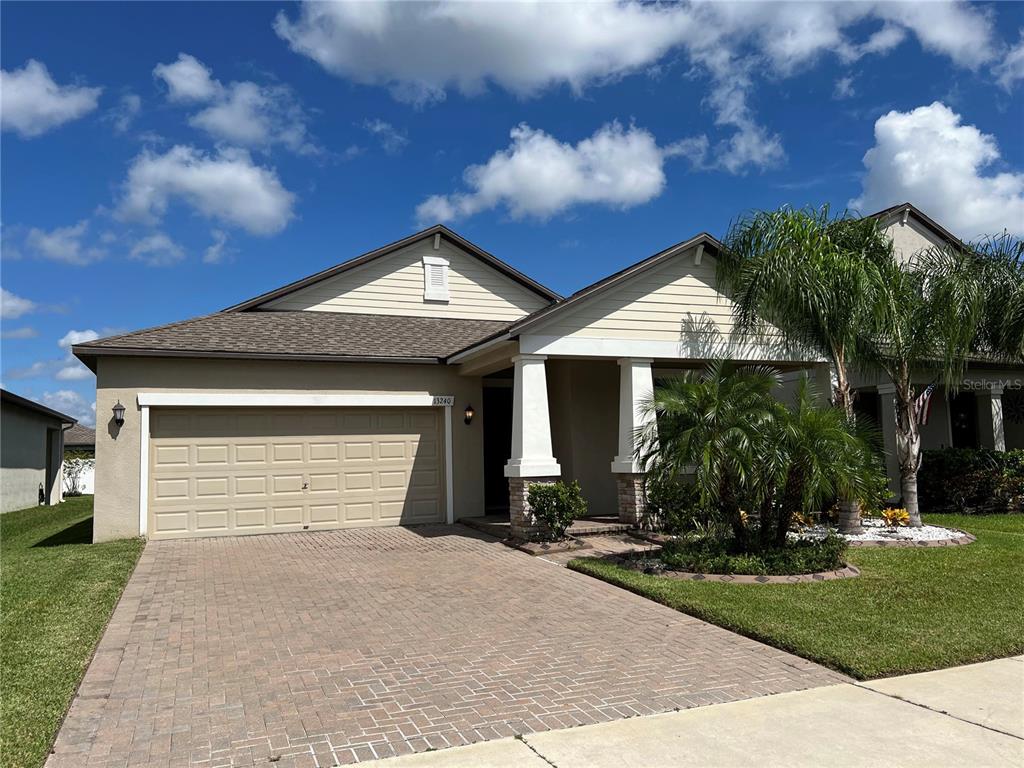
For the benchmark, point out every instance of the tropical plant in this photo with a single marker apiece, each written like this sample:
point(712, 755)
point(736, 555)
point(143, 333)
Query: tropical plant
point(895, 518)
point(810, 276)
point(557, 505)
point(74, 471)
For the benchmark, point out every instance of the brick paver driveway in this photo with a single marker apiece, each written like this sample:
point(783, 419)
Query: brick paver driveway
point(334, 647)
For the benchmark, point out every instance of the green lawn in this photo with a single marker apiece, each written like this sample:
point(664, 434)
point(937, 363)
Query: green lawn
point(57, 592)
point(911, 610)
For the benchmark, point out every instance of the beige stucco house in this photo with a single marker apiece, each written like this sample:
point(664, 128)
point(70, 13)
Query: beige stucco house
point(426, 381)
point(31, 452)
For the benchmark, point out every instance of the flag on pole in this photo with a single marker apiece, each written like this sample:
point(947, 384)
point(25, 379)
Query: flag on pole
point(923, 405)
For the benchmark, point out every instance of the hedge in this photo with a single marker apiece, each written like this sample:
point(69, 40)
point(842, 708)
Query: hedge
point(971, 481)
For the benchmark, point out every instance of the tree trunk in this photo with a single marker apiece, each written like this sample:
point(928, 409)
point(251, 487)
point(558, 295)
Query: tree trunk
point(908, 484)
point(908, 445)
point(849, 509)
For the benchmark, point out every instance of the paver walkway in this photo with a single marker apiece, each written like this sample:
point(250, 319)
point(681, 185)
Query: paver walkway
point(326, 648)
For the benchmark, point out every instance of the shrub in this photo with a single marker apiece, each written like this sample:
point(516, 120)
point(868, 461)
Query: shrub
point(971, 481)
point(673, 506)
point(708, 554)
point(896, 517)
point(74, 469)
point(557, 505)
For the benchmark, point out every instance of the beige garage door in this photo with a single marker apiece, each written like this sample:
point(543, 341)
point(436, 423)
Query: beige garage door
point(227, 471)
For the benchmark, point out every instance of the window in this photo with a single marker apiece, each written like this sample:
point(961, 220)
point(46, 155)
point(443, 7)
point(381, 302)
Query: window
point(435, 278)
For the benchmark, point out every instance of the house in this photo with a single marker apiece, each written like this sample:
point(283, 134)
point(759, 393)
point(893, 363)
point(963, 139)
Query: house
point(425, 381)
point(80, 443)
point(31, 452)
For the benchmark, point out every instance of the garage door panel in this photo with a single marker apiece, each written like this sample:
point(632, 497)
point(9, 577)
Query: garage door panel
point(248, 470)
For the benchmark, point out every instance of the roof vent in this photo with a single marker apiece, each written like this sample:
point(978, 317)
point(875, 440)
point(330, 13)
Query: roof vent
point(435, 278)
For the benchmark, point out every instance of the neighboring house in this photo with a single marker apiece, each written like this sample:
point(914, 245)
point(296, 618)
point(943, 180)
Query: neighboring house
point(425, 381)
point(80, 443)
point(31, 452)
point(987, 410)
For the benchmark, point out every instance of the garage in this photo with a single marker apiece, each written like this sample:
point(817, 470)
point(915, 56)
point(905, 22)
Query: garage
point(231, 471)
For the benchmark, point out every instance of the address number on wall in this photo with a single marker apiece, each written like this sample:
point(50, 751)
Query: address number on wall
point(445, 400)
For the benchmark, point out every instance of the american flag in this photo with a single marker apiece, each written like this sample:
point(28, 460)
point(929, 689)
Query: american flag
point(923, 405)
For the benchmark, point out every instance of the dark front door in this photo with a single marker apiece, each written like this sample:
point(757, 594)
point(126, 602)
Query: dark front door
point(963, 416)
point(497, 413)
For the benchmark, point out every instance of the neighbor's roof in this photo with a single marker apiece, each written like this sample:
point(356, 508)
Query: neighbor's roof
point(438, 229)
point(79, 435)
point(24, 402)
point(296, 335)
point(896, 210)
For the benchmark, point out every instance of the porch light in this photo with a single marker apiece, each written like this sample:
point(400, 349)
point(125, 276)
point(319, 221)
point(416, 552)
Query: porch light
point(119, 414)
point(469, 414)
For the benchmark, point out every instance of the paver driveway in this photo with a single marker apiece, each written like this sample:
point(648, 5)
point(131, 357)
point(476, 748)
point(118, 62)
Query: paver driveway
point(333, 647)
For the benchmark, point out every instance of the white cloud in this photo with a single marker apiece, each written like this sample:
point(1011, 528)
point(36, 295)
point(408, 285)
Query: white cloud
point(929, 157)
point(73, 372)
point(188, 79)
point(242, 113)
point(539, 176)
point(391, 140)
point(218, 251)
point(123, 115)
point(31, 103)
point(65, 244)
point(25, 332)
point(13, 306)
point(421, 50)
point(73, 404)
point(73, 337)
point(1011, 68)
point(844, 88)
point(67, 368)
point(157, 250)
point(226, 186)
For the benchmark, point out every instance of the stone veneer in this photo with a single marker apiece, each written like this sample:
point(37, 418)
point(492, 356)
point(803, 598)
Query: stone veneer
point(632, 499)
point(524, 523)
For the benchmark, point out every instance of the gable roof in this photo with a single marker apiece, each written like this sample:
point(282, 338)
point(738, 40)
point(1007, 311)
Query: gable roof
point(32, 405)
point(929, 223)
point(438, 229)
point(78, 436)
point(296, 335)
point(604, 284)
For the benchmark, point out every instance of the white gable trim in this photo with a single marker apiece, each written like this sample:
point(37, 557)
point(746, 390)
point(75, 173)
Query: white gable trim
point(684, 349)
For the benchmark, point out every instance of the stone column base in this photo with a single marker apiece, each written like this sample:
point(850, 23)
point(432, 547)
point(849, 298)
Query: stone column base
point(525, 525)
point(632, 500)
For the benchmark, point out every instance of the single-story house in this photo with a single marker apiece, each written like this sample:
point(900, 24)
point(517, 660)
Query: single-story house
point(31, 452)
point(425, 381)
point(80, 443)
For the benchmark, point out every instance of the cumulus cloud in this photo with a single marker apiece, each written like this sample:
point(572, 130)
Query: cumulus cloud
point(13, 306)
point(123, 115)
point(31, 103)
point(64, 244)
point(539, 176)
point(392, 141)
point(66, 368)
point(227, 186)
point(844, 88)
point(928, 156)
point(218, 251)
point(73, 404)
point(1011, 68)
point(420, 51)
point(157, 250)
point(243, 113)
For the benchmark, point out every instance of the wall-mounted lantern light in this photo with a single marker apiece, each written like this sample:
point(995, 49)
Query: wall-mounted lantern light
point(119, 414)
point(469, 414)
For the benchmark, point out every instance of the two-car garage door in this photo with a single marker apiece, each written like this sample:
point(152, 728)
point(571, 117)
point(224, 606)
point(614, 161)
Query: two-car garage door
point(229, 471)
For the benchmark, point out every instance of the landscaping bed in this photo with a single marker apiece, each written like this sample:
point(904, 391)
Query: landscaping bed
point(58, 591)
point(910, 610)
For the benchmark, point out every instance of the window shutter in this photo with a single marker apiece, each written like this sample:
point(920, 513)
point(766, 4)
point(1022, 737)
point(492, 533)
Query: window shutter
point(435, 278)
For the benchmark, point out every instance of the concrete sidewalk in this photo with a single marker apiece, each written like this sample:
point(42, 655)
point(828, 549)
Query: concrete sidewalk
point(966, 716)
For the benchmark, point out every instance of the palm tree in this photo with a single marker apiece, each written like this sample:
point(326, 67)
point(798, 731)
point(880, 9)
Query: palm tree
point(812, 276)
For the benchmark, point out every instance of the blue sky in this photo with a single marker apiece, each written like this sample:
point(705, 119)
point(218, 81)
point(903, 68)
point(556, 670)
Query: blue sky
point(161, 161)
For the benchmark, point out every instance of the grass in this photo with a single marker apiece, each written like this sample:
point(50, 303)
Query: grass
point(57, 591)
point(911, 610)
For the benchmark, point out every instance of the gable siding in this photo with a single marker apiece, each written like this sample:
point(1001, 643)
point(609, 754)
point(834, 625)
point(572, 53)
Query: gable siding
point(910, 238)
point(653, 305)
point(393, 285)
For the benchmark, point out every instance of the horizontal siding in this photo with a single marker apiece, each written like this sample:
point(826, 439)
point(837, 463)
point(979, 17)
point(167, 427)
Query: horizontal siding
point(910, 238)
point(393, 285)
point(656, 304)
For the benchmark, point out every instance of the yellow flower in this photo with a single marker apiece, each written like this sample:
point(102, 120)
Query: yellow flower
point(896, 517)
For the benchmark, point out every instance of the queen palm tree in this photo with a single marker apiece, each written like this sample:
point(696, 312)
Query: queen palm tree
point(812, 277)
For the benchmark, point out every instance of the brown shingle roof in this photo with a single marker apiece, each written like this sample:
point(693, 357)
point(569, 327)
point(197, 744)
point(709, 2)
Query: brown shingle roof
point(300, 335)
point(79, 436)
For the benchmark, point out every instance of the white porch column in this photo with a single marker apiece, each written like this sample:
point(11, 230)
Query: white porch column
point(887, 415)
point(990, 418)
point(636, 385)
point(532, 458)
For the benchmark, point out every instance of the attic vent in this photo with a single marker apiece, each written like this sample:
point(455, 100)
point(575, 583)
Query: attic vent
point(435, 278)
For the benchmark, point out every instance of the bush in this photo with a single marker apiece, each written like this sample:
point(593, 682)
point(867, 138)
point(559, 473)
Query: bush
point(557, 505)
point(673, 506)
point(708, 554)
point(971, 481)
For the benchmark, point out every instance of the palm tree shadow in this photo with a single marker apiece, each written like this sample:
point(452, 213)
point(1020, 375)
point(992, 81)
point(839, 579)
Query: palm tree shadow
point(79, 533)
